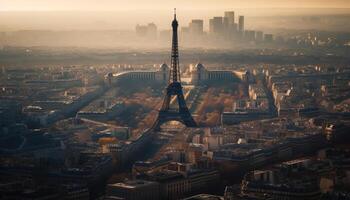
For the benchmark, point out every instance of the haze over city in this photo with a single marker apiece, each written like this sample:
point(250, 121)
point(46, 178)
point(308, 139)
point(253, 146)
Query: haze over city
point(189, 99)
point(109, 14)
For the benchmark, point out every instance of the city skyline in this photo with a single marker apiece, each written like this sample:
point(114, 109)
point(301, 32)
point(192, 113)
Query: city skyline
point(225, 30)
point(286, 18)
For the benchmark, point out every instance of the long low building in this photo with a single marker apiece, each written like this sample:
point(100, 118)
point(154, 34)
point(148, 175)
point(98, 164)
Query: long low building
point(273, 184)
point(250, 155)
point(200, 74)
point(237, 117)
point(177, 184)
point(134, 189)
point(160, 75)
point(105, 114)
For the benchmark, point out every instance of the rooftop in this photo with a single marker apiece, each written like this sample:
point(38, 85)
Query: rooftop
point(132, 184)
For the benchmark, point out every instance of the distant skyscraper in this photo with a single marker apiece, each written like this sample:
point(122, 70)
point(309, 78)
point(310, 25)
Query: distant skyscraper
point(152, 31)
point(249, 35)
point(141, 30)
point(230, 15)
point(216, 25)
point(196, 27)
point(229, 24)
point(235, 27)
point(268, 38)
point(259, 36)
point(241, 24)
point(149, 30)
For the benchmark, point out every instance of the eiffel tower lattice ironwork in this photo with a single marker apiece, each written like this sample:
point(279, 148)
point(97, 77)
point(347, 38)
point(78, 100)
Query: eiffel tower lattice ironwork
point(174, 88)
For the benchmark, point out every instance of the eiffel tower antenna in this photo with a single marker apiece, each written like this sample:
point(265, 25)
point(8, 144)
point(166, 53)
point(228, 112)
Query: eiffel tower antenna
point(175, 68)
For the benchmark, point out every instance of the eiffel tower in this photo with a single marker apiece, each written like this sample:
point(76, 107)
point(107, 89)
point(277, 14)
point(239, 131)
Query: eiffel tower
point(174, 88)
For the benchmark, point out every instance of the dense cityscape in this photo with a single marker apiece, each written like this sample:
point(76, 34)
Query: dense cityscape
point(227, 113)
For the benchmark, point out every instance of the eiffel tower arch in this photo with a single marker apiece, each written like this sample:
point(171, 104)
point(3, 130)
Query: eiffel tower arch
point(174, 89)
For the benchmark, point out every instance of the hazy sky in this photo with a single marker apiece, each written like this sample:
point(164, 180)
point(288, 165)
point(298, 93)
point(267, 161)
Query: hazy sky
point(34, 5)
point(125, 14)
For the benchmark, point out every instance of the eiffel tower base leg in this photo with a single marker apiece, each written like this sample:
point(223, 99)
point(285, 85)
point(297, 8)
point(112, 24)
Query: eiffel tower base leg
point(183, 116)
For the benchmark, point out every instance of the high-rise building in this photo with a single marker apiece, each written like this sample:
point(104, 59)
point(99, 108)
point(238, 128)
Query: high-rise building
point(235, 27)
point(229, 24)
point(230, 15)
point(152, 31)
point(259, 36)
point(141, 30)
point(149, 30)
point(165, 35)
point(196, 27)
point(241, 24)
point(268, 38)
point(216, 25)
point(249, 35)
